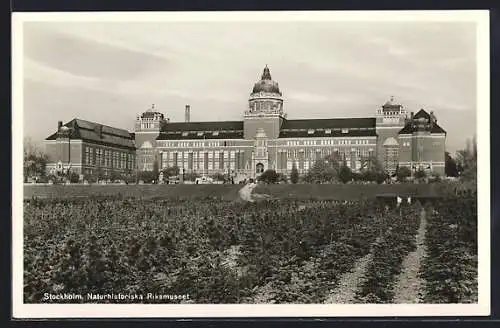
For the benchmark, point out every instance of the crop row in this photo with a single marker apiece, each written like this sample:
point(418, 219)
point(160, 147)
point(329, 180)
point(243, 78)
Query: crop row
point(388, 253)
point(450, 267)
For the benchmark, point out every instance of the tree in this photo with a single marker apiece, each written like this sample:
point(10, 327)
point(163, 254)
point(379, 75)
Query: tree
point(420, 174)
point(218, 176)
point(371, 163)
point(345, 174)
point(146, 176)
point(467, 161)
point(380, 177)
point(156, 169)
point(98, 172)
point(190, 176)
point(114, 175)
point(294, 175)
point(280, 177)
point(269, 176)
point(74, 177)
point(372, 170)
point(35, 160)
point(450, 165)
point(171, 171)
point(402, 173)
point(324, 169)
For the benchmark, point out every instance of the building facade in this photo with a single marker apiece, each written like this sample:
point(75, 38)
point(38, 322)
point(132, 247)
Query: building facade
point(266, 139)
point(85, 147)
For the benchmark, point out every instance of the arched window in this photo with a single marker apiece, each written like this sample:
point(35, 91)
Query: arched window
point(259, 168)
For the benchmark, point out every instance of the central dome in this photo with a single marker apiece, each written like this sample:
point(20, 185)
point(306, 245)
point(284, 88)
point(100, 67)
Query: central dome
point(266, 84)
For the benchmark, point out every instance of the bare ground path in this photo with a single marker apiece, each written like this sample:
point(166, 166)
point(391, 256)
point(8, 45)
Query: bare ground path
point(246, 192)
point(350, 281)
point(409, 284)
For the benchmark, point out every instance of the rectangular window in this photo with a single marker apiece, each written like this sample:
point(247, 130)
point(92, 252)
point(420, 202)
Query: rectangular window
point(221, 160)
point(237, 160)
point(190, 161)
point(175, 159)
point(205, 161)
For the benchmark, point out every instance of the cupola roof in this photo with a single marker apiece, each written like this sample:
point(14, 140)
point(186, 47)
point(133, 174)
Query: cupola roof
point(266, 84)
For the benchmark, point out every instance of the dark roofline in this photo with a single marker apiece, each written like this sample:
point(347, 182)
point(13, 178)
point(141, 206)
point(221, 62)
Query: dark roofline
point(103, 125)
point(332, 123)
point(206, 136)
point(434, 130)
point(90, 141)
point(202, 126)
point(322, 134)
point(75, 120)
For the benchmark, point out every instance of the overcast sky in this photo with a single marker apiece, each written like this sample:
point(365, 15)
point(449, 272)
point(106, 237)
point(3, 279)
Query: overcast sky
point(110, 72)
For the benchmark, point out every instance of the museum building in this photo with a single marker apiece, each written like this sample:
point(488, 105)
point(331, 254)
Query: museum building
point(264, 139)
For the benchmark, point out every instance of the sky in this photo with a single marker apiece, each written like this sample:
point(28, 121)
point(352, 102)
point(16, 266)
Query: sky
point(109, 72)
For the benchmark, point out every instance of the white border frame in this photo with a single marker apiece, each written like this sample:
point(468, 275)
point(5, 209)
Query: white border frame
point(21, 310)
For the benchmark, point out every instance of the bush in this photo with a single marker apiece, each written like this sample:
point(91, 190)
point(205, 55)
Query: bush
point(345, 174)
point(420, 174)
point(146, 176)
point(402, 173)
point(269, 176)
point(171, 171)
point(219, 176)
point(74, 177)
point(294, 175)
point(191, 176)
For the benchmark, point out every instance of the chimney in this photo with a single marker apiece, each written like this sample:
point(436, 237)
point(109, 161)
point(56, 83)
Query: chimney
point(59, 125)
point(187, 113)
point(411, 116)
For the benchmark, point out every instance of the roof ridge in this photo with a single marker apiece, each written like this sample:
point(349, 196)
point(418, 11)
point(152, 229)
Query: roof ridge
point(205, 122)
point(104, 125)
point(325, 119)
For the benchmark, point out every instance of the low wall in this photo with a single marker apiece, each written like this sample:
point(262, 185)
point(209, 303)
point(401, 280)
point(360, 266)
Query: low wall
point(188, 191)
point(348, 191)
point(230, 192)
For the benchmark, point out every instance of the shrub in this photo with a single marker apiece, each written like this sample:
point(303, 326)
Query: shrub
point(345, 174)
point(294, 174)
point(269, 176)
point(74, 177)
point(402, 173)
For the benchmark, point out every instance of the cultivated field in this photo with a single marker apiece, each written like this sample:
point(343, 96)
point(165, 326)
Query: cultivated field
point(278, 251)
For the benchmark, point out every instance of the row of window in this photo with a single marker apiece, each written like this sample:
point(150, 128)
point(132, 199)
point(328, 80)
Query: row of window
point(148, 125)
point(303, 166)
point(329, 142)
point(224, 143)
point(203, 160)
point(196, 144)
point(108, 158)
point(228, 155)
point(391, 159)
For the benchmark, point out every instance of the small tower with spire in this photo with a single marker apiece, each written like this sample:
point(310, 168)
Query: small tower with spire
point(390, 119)
point(147, 128)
